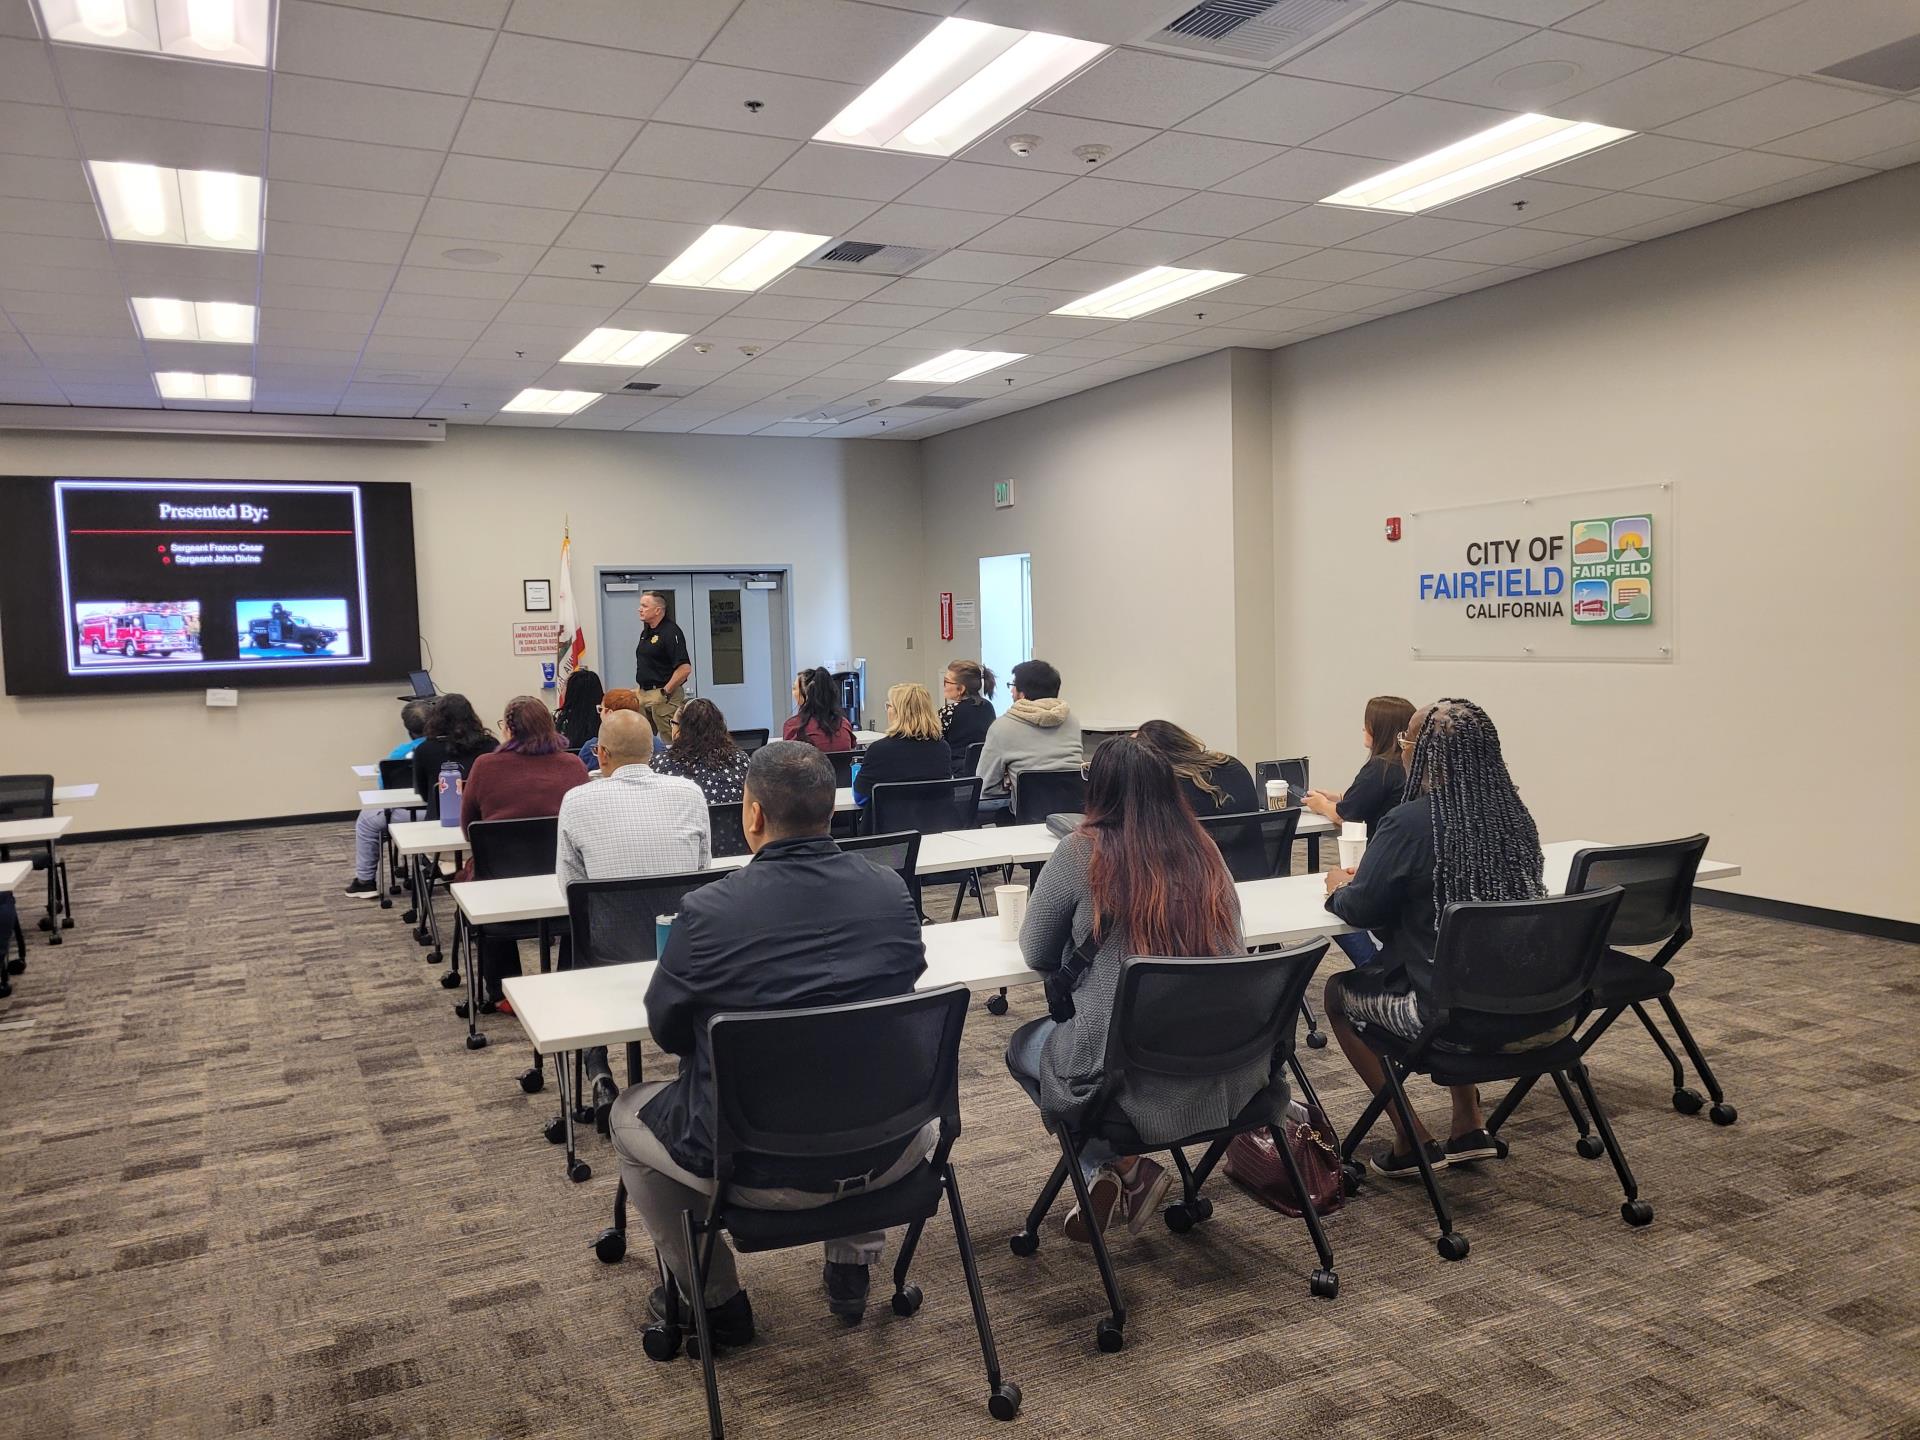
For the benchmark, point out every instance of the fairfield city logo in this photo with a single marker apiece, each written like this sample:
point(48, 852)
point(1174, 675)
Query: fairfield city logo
point(1612, 565)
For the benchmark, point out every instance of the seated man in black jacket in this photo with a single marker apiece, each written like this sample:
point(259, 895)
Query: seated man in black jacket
point(802, 925)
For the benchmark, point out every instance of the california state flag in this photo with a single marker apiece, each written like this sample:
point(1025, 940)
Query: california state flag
point(573, 643)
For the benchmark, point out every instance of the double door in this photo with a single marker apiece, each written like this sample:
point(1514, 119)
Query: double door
point(736, 629)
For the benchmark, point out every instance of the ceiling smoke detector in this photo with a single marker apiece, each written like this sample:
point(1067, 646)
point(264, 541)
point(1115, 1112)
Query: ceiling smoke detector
point(1023, 145)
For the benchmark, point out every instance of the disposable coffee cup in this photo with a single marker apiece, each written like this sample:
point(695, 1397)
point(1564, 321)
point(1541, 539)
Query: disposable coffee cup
point(1276, 794)
point(662, 928)
point(1353, 843)
point(1011, 902)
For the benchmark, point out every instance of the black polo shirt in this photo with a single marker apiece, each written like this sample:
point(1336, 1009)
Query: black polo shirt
point(662, 650)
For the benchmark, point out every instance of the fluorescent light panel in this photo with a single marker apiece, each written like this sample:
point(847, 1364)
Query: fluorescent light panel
point(1148, 291)
point(217, 322)
point(737, 257)
point(156, 205)
point(234, 32)
point(187, 385)
point(958, 83)
point(958, 365)
point(1509, 150)
point(621, 347)
point(551, 402)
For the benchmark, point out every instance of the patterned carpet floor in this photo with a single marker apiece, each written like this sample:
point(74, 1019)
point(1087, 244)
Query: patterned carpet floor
point(254, 1185)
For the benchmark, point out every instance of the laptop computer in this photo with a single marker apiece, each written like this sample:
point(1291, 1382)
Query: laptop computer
point(422, 684)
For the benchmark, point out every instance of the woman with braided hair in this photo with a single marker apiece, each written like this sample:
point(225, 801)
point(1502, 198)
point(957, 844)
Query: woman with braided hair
point(1462, 833)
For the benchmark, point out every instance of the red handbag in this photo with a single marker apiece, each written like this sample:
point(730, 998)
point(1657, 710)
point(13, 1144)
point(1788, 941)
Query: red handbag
point(1254, 1163)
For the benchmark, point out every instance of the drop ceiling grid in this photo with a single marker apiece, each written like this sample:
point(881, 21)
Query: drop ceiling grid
point(394, 139)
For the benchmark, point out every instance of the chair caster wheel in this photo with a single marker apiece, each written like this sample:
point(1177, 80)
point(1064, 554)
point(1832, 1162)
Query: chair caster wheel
point(1636, 1213)
point(460, 1009)
point(579, 1172)
point(1178, 1217)
point(907, 1301)
point(533, 1081)
point(46, 922)
point(450, 980)
point(1453, 1247)
point(476, 1041)
point(1350, 1177)
point(1108, 1335)
point(422, 938)
point(610, 1247)
point(1202, 1208)
point(1687, 1102)
point(1316, 1040)
point(583, 1114)
point(1589, 1147)
point(1723, 1114)
point(55, 938)
point(1324, 1284)
point(1004, 1403)
point(409, 917)
point(1023, 1243)
point(385, 903)
point(660, 1341)
point(996, 1004)
point(555, 1130)
point(17, 965)
point(66, 923)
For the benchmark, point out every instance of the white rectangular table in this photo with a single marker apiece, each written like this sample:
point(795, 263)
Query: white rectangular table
point(418, 843)
point(12, 872)
point(68, 794)
point(46, 832)
point(367, 772)
point(402, 798)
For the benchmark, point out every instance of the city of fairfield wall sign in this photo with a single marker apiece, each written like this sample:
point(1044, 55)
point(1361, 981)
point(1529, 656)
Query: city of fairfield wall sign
point(1543, 577)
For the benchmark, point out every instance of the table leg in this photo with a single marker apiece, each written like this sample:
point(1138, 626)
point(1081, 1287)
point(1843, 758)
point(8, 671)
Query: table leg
point(577, 1169)
point(54, 923)
point(1313, 854)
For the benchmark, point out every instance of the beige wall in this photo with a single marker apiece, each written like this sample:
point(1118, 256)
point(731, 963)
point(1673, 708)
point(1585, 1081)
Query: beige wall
point(488, 507)
point(1769, 365)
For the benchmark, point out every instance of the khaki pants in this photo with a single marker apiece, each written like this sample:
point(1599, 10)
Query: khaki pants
point(660, 1190)
point(660, 708)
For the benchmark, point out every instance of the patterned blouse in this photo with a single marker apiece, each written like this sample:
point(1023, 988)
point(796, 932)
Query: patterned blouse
point(721, 781)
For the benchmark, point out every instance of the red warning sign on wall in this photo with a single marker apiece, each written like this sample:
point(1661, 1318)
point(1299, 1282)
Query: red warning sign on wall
point(946, 614)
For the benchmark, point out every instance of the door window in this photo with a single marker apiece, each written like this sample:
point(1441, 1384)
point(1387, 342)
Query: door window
point(726, 644)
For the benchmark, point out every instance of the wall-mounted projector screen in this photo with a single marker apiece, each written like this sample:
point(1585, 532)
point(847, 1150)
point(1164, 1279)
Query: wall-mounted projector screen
point(123, 584)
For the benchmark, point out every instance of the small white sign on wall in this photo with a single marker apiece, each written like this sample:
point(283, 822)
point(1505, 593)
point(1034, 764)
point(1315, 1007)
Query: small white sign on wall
point(966, 614)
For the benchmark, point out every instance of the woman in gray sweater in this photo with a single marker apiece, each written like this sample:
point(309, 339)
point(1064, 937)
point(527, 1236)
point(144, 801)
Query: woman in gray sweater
point(1139, 877)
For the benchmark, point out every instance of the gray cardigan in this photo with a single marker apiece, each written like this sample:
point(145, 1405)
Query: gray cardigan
point(1162, 1108)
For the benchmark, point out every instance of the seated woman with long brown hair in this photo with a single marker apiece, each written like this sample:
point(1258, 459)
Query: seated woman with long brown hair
point(703, 752)
point(1212, 783)
point(1139, 877)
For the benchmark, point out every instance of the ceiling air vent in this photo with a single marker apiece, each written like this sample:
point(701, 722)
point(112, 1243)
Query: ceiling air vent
point(641, 385)
point(868, 257)
point(1260, 32)
point(941, 402)
point(1891, 70)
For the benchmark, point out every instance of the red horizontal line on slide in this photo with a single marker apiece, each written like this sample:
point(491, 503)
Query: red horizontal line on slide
point(209, 532)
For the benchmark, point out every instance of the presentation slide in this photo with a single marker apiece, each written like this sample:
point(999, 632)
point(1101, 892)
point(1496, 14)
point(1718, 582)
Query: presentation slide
point(203, 575)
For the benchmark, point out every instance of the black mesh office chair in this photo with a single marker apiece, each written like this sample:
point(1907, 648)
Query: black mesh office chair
point(1197, 1020)
point(930, 806)
point(749, 740)
point(898, 852)
point(504, 849)
point(833, 1084)
point(724, 824)
point(1036, 794)
point(610, 922)
point(30, 797)
point(970, 763)
point(394, 775)
point(843, 762)
point(1294, 772)
point(1503, 971)
point(1657, 910)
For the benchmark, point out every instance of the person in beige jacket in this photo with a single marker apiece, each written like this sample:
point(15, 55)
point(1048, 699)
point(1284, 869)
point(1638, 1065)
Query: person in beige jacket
point(1038, 732)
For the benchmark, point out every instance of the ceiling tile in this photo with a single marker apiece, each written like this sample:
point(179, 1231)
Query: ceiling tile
point(728, 157)
point(1156, 90)
point(471, 220)
point(1822, 179)
point(1059, 136)
point(1731, 175)
point(1021, 236)
point(1194, 161)
point(124, 83)
point(1855, 136)
point(646, 197)
point(563, 263)
point(529, 70)
point(36, 177)
point(1783, 109)
point(898, 224)
point(1410, 127)
point(1350, 296)
point(1285, 110)
point(352, 164)
point(1634, 160)
point(36, 130)
point(1112, 22)
point(1269, 290)
point(435, 250)
point(620, 235)
point(1106, 202)
point(339, 43)
point(516, 182)
point(551, 137)
point(401, 305)
point(1317, 225)
point(1525, 199)
point(183, 144)
point(1609, 214)
point(160, 264)
point(340, 110)
point(1813, 34)
point(1245, 257)
point(333, 205)
point(75, 219)
point(978, 265)
point(844, 170)
point(467, 12)
point(309, 270)
point(1525, 12)
point(1405, 46)
point(1426, 273)
point(1512, 246)
point(1217, 214)
point(1663, 25)
point(25, 75)
point(1330, 266)
point(825, 39)
point(918, 291)
point(662, 29)
point(1082, 277)
point(769, 209)
point(1303, 175)
point(1661, 93)
point(1421, 235)
point(335, 242)
point(1685, 219)
point(1541, 71)
point(716, 96)
point(1139, 247)
point(985, 189)
point(416, 279)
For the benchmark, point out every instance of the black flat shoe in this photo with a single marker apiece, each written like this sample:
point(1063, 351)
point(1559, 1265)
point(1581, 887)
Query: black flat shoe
point(1402, 1167)
point(605, 1092)
point(846, 1290)
point(729, 1324)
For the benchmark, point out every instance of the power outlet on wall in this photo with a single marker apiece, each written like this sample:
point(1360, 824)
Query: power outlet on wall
point(222, 699)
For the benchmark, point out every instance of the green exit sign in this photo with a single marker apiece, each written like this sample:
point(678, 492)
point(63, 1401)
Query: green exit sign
point(1003, 494)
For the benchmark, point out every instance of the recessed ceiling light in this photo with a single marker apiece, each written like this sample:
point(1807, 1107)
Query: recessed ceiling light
point(736, 257)
point(551, 402)
point(187, 385)
point(156, 205)
point(955, 85)
point(217, 322)
point(621, 347)
point(1509, 150)
point(1148, 291)
point(234, 32)
point(469, 255)
point(959, 365)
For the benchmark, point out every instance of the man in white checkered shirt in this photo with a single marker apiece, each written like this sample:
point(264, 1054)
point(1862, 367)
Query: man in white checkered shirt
point(632, 822)
point(628, 824)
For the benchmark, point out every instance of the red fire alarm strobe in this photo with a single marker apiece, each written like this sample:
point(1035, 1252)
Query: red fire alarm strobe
point(1393, 527)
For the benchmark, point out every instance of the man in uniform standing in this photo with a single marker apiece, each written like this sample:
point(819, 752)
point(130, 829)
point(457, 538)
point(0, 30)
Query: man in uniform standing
point(661, 667)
